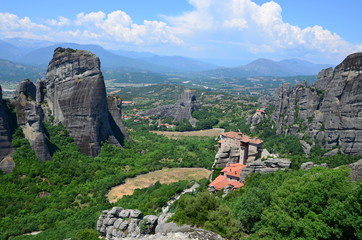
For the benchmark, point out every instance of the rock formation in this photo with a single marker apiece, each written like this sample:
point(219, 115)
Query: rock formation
point(30, 117)
point(119, 223)
point(182, 109)
point(76, 95)
point(356, 170)
point(268, 166)
point(115, 117)
point(328, 112)
point(5, 130)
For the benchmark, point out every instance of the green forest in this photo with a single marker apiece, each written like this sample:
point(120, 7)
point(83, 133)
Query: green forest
point(63, 198)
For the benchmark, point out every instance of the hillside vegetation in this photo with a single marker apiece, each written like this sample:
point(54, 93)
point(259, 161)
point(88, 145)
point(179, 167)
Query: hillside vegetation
point(64, 195)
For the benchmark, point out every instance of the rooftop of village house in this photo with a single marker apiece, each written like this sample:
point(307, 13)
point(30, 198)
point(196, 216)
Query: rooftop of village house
point(222, 181)
point(242, 137)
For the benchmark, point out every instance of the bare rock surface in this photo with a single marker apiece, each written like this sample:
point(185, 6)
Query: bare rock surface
point(328, 112)
point(7, 164)
point(121, 224)
point(356, 170)
point(5, 130)
point(76, 95)
point(29, 117)
point(182, 109)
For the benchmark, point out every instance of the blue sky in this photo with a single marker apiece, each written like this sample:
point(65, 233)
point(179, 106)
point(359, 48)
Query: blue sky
point(229, 31)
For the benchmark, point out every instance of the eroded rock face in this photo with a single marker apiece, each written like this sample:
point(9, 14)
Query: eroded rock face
point(5, 130)
point(115, 117)
point(76, 95)
point(30, 117)
point(182, 109)
point(329, 112)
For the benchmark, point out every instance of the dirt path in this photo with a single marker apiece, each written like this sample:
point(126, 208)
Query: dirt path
point(202, 133)
point(164, 176)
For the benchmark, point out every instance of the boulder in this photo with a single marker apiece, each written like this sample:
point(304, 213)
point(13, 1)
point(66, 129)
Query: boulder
point(356, 170)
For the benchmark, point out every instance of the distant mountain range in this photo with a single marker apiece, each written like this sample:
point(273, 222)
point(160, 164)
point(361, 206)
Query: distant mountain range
point(25, 56)
point(267, 67)
point(134, 61)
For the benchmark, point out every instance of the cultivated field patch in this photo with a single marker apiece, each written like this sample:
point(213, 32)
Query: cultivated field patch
point(164, 176)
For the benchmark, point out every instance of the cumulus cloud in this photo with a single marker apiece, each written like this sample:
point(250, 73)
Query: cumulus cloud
point(11, 22)
point(258, 28)
point(213, 27)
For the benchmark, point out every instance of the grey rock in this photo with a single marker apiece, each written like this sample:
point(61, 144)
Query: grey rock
point(30, 116)
point(76, 95)
point(331, 153)
point(356, 170)
point(125, 213)
point(115, 211)
point(118, 223)
point(5, 134)
point(277, 163)
point(306, 165)
point(135, 213)
point(7, 165)
point(123, 226)
point(167, 227)
point(330, 110)
point(115, 118)
point(182, 109)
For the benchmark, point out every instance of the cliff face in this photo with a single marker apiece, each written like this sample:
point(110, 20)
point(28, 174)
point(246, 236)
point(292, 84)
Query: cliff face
point(29, 117)
point(5, 137)
point(182, 109)
point(329, 112)
point(76, 95)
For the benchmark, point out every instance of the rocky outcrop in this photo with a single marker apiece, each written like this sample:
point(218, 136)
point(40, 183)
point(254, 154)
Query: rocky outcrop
point(30, 117)
point(179, 111)
point(5, 131)
point(356, 170)
point(115, 117)
point(76, 95)
point(227, 155)
point(328, 112)
point(268, 166)
point(119, 223)
point(309, 165)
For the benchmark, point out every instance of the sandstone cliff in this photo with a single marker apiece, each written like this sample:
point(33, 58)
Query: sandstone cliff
point(5, 137)
point(30, 117)
point(182, 109)
point(328, 112)
point(76, 95)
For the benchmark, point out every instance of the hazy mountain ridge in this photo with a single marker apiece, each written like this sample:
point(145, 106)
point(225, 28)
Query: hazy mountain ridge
point(115, 63)
point(135, 61)
point(267, 67)
point(11, 71)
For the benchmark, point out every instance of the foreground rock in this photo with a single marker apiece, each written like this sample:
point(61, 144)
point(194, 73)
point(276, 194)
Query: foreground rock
point(119, 223)
point(329, 112)
point(76, 95)
point(179, 111)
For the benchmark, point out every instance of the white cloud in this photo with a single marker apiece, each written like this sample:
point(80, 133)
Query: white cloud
point(259, 28)
point(11, 22)
point(61, 22)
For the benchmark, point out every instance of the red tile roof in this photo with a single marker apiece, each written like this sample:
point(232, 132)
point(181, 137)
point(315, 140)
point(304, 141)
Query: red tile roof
point(242, 137)
point(233, 169)
point(260, 110)
point(222, 182)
